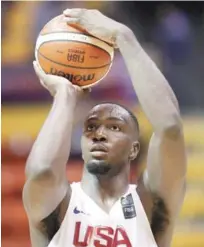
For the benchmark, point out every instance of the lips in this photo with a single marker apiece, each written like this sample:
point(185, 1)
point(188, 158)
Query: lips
point(99, 148)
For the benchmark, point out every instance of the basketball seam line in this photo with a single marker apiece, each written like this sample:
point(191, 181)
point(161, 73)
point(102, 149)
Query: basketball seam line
point(75, 67)
point(87, 34)
point(76, 42)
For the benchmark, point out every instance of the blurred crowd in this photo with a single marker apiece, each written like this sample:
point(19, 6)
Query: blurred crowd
point(172, 33)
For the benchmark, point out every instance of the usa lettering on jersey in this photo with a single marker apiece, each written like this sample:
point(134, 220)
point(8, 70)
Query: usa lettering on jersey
point(100, 236)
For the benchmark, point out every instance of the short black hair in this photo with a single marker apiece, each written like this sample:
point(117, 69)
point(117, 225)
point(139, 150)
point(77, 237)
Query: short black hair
point(133, 117)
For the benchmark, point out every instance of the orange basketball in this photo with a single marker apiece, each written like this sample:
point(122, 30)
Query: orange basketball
point(65, 51)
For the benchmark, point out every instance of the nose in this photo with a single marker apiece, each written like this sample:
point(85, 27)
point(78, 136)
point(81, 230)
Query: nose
point(99, 136)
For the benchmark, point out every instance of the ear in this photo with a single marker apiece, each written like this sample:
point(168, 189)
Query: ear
point(134, 150)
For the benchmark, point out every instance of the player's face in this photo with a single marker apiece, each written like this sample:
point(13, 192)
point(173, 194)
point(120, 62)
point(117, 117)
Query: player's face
point(108, 141)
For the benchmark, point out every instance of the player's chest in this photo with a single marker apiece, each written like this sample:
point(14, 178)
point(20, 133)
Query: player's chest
point(94, 227)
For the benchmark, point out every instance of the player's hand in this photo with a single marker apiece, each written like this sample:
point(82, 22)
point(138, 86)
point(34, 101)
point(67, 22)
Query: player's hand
point(95, 23)
point(55, 84)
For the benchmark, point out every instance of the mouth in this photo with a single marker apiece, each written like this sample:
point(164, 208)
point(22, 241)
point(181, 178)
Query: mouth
point(99, 148)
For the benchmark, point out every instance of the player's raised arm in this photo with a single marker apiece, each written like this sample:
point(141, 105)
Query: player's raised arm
point(46, 185)
point(166, 166)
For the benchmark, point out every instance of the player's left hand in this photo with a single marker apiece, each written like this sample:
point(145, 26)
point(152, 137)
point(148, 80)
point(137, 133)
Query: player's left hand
point(95, 23)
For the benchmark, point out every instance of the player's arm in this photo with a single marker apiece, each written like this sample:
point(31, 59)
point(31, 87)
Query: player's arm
point(166, 166)
point(166, 161)
point(46, 183)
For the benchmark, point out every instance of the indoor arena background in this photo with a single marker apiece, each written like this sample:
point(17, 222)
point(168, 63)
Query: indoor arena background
point(171, 33)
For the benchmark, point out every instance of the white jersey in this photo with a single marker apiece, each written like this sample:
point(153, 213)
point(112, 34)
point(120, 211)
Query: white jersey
point(87, 225)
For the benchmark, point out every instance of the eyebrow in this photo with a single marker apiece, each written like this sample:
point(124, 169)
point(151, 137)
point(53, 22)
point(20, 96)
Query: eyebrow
point(92, 118)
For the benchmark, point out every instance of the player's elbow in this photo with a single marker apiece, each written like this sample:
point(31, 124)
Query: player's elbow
point(173, 127)
point(35, 171)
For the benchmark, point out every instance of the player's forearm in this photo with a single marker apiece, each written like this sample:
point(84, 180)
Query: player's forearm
point(155, 95)
point(52, 146)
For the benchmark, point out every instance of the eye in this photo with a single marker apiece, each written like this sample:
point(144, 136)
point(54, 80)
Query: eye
point(91, 127)
point(114, 128)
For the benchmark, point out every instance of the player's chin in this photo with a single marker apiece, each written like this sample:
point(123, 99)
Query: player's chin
point(98, 167)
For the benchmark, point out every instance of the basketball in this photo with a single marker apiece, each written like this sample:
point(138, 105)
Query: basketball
point(71, 52)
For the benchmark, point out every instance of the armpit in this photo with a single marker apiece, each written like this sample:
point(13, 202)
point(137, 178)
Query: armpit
point(51, 224)
point(160, 216)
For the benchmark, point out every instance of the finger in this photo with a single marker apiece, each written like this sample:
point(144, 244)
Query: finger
point(77, 88)
point(40, 68)
point(74, 12)
point(43, 84)
point(70, 20)
point(40, 73)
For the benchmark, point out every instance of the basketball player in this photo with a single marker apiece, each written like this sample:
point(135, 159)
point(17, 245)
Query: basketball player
point(104, 209)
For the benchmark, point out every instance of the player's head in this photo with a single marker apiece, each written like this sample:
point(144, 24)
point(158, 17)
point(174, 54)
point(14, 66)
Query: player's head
point(110, 139)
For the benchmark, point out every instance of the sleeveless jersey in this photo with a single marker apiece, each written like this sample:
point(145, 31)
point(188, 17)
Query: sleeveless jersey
point(86, 225)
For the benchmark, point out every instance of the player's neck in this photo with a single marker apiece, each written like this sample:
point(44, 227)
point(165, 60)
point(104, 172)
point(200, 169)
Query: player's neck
point(106, 187)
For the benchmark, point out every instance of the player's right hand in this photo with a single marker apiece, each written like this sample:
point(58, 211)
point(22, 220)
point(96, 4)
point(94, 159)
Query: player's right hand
point(55, 84)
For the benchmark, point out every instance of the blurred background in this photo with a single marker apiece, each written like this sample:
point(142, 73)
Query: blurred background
point(172, 33)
